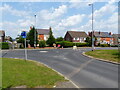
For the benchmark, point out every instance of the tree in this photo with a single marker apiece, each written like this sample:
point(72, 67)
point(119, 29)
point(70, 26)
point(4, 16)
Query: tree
point(20, 40)
point(8, 38)
point(31, 36)
point(89, 41)
point(59, 39)
point(11, 39)
point(51, 38)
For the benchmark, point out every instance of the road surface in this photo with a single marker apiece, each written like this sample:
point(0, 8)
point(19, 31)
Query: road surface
point(83, 71)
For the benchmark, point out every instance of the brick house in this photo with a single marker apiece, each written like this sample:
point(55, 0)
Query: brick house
point(75, 36)
point(43, 34)
point(2, 36)
point(102, 37)
point(115, 38)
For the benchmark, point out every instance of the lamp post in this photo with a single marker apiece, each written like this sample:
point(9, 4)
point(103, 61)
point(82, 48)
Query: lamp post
point(92, 28)
point(35, 33)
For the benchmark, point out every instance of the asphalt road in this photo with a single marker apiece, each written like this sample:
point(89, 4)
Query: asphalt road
point(83, 71)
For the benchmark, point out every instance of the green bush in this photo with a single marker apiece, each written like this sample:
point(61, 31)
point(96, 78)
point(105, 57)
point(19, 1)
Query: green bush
point(104, 45)
point(65, 43)
point(82, 44)
point(42, 44)
point(114, 45)
point(4, 45)
point(21, 46)
point(71, 44)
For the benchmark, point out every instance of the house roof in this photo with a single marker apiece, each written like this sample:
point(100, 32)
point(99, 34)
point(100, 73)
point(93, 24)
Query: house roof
point(75, 34)
point(43, 31)
point(116, 35)
point(2, 33)
point(102, 34)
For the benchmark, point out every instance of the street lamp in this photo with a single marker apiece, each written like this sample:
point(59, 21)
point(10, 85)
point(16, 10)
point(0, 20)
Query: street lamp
point(35, 33)
point(92, 28)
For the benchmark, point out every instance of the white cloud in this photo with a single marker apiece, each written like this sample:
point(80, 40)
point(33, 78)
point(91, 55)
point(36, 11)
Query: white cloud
point(5, 7)
point(72, 20)
point(57, 12)
point(109, 25)
point(105, 10)
point(13, 28)
point(80, 3)
point(8, 9)
point(114, 18)
point(25, 23)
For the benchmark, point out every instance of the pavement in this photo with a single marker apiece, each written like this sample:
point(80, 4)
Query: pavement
point(83, 71)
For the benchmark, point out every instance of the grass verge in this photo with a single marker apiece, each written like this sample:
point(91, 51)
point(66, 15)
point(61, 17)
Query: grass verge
point(17, 72)
point(111, 55)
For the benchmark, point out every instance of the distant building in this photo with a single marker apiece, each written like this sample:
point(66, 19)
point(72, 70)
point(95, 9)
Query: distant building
point(116, 37)
point(102, 37)
point(75, 36)
point(43, 34)
point(2, 36)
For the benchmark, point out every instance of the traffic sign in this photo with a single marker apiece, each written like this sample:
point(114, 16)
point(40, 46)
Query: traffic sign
point(23, 34)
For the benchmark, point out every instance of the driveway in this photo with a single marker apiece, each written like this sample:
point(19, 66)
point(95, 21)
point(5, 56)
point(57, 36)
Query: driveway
point(83, 71)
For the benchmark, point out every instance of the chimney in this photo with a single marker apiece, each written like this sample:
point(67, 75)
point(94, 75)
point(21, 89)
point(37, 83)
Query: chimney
point(99, 32)
point(110, 33)
point(31, 27)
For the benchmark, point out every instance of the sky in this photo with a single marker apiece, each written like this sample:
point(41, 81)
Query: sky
point(61, 16)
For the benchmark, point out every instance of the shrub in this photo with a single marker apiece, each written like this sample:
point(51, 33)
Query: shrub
point(71, 44)
point(21, 46)
point(4, 45)
point(104, 45)
point(65, 43)
point(82, 44)
point(98, 44)
point(42, 44)
point(114, 45)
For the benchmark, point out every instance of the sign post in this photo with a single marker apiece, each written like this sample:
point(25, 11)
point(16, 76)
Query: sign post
point(23, 34)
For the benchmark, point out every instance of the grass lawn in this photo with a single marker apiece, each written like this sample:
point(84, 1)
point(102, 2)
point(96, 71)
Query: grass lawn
point(16, 72)
point(111, 55)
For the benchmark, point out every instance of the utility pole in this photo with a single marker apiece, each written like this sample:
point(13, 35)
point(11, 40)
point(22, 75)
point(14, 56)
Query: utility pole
point(35, 33)
point(92, 28)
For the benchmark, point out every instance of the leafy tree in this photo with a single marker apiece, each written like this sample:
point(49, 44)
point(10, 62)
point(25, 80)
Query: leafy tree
point(89, 41)
point(8, 38)
point(20, 40)
point(59, 39)
point(51, 38)
point(31, 36)
point(11, 39)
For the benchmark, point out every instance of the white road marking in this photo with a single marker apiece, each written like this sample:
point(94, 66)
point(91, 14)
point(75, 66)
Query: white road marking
point(44, 51)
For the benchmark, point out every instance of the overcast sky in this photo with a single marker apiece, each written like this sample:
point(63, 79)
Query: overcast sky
point(61, 16)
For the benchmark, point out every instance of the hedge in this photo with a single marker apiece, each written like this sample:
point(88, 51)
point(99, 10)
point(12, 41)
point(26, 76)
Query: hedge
point(114, 45)
point(42, 44)
point(71, 44)
point(104, 45)
point(4, 45)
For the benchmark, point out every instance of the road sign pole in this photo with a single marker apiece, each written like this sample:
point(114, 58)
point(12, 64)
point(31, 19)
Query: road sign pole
point(25, 50)
point(23, 34)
